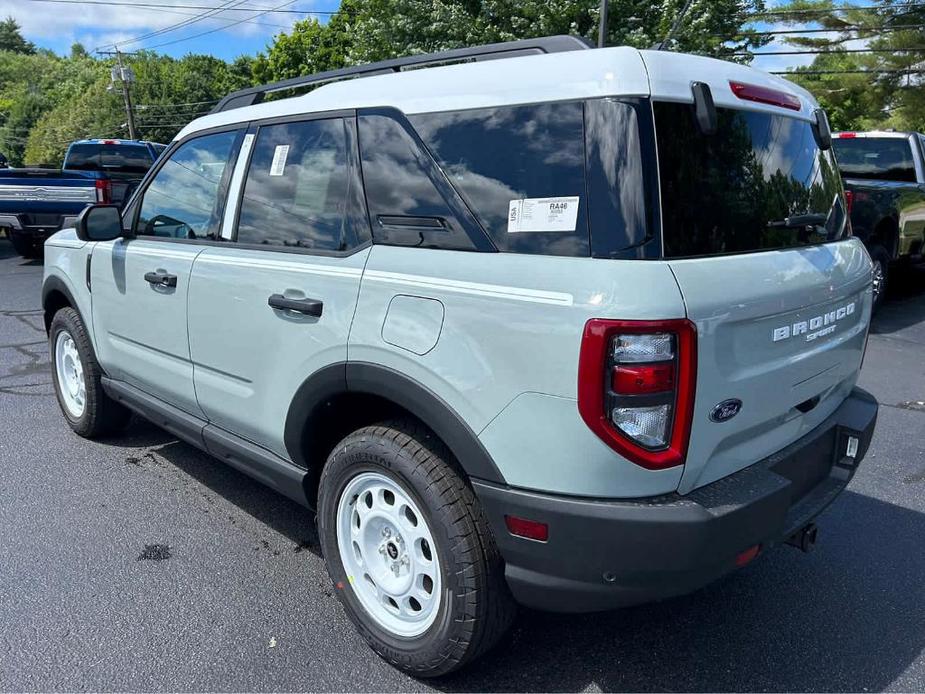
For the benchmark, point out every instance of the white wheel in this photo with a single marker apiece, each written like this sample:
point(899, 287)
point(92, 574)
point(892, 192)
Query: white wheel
point(69, 371)
point(389, 554)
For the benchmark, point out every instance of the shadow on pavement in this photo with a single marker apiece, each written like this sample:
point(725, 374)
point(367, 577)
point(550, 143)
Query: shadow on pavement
point(283, 515)
point(905, 301)
point(846, 618)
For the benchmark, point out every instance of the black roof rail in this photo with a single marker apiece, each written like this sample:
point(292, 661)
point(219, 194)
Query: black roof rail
point(491, 51)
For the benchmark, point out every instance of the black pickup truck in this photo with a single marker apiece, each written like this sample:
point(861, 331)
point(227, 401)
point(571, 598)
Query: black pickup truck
point(37, 202)
point(884, 176)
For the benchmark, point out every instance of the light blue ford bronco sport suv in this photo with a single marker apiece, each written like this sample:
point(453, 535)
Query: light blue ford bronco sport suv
point(569, 328)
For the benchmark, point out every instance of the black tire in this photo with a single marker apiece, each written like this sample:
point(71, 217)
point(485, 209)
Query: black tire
point(476, 605)
point(26, 247)
point(101, 414)
point(881, 274)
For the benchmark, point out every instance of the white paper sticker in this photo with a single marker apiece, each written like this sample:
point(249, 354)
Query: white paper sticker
point(279, 160)
point(542, 214)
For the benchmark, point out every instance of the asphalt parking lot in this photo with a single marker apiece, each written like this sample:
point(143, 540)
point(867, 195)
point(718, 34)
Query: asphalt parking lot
point(142, 564)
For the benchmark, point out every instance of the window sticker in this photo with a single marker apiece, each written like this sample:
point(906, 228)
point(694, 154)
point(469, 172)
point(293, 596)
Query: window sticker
point(279, 160)
point(542, 214)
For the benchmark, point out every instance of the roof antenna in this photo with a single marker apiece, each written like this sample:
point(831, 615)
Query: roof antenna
point(660, 46)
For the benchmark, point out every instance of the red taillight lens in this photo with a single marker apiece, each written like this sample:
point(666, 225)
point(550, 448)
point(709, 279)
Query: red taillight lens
point(636, 387)
point(103, 190)
point(640, 379)
point(849, 200)
point(846, 136)
point(530, 529)
point(765, 95)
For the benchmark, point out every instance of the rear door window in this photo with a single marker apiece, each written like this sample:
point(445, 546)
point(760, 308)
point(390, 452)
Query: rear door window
point(297, 185)
point(520, 169)
point(759, 183)
point(882, 158)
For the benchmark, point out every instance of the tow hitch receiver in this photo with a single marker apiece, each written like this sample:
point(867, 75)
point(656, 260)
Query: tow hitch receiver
point(805, 538)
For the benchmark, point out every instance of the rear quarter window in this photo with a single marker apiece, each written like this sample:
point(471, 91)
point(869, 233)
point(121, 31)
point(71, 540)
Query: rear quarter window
point(496, 157)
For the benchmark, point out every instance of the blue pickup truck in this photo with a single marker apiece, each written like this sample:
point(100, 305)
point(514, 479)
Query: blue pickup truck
point(37, 202)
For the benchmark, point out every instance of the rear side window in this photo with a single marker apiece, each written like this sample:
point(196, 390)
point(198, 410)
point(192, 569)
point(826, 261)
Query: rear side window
point(521, 170)
point(183, 200)
point(296, 188)
point(742, 188)
point(406, 205)
point(883, 158)
point(115, 158)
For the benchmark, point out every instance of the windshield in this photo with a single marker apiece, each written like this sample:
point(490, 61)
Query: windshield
point(883, 158)
point(102, 157)
point(759, 183)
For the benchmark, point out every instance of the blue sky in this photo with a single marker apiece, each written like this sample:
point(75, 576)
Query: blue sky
point(56, 25)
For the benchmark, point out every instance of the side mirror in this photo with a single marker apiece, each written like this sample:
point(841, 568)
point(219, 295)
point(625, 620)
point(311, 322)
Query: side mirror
point(99, 223)
point(821, 130)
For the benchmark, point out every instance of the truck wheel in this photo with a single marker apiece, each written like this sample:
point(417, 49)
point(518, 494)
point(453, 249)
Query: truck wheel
point(86, 407)
point(409, 551)
point(881, 269)
point(25, 247)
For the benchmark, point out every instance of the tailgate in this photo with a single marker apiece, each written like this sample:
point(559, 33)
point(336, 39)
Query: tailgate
point(781, 331)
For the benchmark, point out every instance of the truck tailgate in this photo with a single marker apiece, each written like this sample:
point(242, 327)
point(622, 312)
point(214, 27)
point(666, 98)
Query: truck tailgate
point(781, 331)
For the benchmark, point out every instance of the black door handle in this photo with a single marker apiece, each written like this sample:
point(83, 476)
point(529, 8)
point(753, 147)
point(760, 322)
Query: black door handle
point(310, 307)
point(161, 279)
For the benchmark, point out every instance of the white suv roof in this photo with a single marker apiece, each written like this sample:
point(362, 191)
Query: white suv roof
point(577, 74)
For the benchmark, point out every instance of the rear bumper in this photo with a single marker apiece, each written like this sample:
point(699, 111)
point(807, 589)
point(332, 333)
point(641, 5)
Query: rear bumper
point(24, 227)
point(607, 554)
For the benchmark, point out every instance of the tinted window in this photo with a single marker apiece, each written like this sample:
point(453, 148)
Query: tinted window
point(182, 200)
point(498, 156)
point(296, 188)
point(406, 207)
point(100, 157)
point(731, 192)
point(884, 158)
point(620, 177)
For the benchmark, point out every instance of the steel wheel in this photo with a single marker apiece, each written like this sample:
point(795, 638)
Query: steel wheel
point(69, 371)
point(389, 554)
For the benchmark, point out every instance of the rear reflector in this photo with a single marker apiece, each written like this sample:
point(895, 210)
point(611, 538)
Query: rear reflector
point(746, 557)
point(765, 95)
point(530, 529)
point(643, 378)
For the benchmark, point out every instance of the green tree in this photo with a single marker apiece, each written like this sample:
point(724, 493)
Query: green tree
point(864, 90)
point(11, 38)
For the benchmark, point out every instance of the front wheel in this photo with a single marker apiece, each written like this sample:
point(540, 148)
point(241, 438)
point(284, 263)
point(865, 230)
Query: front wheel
point(77, 379)
point(408, 548)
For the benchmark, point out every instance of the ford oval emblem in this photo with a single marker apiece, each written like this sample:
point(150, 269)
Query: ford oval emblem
point(726, 410)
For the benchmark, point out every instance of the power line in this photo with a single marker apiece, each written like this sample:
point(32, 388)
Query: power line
point(831, 10)
point(912, 71)
point(838, 51)
point(212, 31)
point(873, 29)
point(180, 25)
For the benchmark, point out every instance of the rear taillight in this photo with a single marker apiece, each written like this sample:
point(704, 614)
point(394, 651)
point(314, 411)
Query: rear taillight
point(636, 387)
point(849, 200)
point(103, 190)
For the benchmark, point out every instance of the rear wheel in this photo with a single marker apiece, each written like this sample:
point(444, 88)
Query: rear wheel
point(25, 246)
point(86, 407)
point(880, 273)
point(408, 548)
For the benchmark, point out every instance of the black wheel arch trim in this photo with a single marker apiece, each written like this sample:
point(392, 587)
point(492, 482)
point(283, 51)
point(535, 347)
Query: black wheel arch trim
point(52, 284)
point(387, 383)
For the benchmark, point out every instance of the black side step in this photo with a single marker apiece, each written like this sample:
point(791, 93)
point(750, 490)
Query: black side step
point(253, 460)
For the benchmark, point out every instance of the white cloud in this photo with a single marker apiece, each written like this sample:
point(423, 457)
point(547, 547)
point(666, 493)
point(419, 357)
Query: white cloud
point(100, 24)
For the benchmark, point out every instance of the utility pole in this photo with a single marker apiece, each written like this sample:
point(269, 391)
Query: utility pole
point(602, 32)
point(126, 76)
